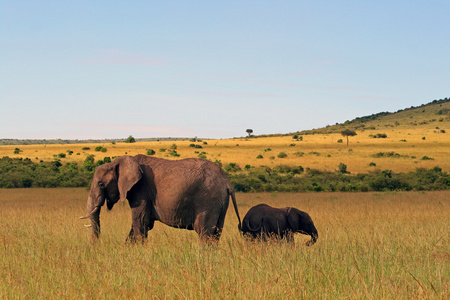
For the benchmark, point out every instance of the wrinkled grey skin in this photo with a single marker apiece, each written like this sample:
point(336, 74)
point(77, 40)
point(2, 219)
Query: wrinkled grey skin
point(190, 193)
point(263, 221)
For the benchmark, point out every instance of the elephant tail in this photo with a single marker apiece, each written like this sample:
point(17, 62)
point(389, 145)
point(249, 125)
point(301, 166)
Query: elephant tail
point(233, 198)
point(254, 230)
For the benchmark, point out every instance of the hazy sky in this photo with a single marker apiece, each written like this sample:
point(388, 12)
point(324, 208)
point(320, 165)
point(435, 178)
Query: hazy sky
point(110, 69)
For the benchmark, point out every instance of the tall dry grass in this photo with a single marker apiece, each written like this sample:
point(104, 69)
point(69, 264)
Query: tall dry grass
point(371, 245)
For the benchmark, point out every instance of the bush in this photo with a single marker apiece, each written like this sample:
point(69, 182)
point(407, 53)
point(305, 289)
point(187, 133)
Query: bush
point(379, 136)
point(150, 152)
point(130, 139)
point(427, 158)
point(174, 153)
point(20, 173)
point(282, 155)
point(387, 154)
point(100, 148)
point(343, 168)
point(232, 167)
point(85, 148)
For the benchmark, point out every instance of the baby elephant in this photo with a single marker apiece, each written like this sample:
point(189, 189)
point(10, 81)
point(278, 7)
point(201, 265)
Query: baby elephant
point(263, 221)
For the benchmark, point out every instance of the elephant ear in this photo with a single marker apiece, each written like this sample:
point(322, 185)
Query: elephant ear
point(128, 174)
point(294, 218)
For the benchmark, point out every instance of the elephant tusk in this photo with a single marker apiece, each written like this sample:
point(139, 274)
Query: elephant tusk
point(91, 213)
point(88, 226)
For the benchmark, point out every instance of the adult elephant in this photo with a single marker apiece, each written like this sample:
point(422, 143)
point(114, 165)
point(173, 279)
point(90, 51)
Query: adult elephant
point(263, 221)
point(190, 193)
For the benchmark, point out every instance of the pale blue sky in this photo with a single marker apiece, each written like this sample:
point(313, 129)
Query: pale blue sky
point(212, 69)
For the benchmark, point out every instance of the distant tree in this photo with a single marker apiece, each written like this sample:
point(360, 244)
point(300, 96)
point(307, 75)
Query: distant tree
point(130, 139)
point(347, 133)
point(343, 168)
point(249, 131)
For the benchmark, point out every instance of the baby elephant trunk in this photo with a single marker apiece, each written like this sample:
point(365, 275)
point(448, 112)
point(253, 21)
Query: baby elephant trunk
point(314, 237)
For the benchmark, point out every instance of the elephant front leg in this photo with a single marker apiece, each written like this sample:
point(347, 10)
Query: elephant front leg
point(140, 223)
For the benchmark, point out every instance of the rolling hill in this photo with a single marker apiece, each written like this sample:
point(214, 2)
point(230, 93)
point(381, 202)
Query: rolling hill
point(435, 113)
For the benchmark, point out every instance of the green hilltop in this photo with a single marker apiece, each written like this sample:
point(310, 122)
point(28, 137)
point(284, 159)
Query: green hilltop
point(435, 113)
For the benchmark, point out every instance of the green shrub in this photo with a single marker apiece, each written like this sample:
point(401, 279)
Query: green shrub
point(379, 136)
point(19, 173)
point(150, 152)
point(427, 158)
point(259, 156)
point(85, 148)
point(232, 167)
point(282, 155)
point(196, 146)
point(130, 139)
point(174, 153)
point(387, 154)
point(343, 168)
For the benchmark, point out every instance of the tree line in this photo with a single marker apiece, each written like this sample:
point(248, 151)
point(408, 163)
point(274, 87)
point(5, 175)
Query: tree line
point(24, 173)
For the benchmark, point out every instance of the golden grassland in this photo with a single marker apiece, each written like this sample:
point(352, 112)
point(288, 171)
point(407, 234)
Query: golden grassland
point(318, 151)
point(371, 246)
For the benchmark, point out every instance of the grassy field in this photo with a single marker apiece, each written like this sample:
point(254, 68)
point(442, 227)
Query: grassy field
point(319, 151)
point(418, 137)
point(371, 246)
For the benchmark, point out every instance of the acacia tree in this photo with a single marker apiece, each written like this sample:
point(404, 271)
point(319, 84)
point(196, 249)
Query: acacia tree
point(249, 131)
point(347, 133)
point(130, 139)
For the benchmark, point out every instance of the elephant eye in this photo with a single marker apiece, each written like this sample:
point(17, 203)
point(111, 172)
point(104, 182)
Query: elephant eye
point(101, 184)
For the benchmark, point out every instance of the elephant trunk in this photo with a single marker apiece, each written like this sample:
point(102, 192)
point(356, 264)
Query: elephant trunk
point(314, 237)
point(94, 207)
point(95, 220)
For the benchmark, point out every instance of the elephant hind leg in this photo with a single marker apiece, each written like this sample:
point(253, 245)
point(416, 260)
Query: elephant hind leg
point(209, 226)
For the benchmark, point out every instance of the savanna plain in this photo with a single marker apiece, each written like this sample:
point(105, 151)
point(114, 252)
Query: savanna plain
point(370, 246)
